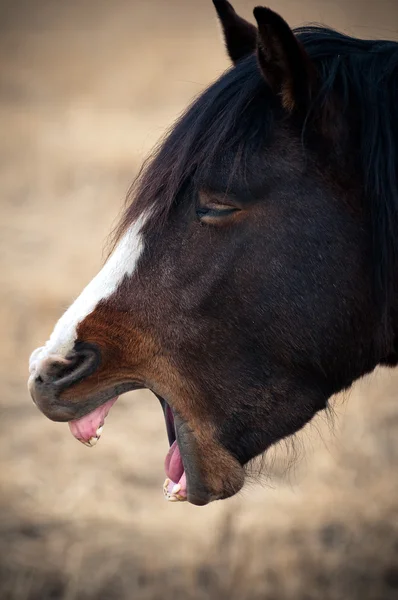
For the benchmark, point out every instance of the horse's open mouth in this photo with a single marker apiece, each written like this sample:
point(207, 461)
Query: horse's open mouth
point(88, 429)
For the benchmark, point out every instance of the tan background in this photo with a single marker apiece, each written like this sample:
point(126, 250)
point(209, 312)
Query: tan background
point(86, 88)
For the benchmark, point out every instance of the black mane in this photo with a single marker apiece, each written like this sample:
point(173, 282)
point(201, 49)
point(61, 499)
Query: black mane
point(231, 114)
point(366, 75)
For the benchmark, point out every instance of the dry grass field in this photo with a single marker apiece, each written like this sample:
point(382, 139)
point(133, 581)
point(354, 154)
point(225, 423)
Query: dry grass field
point(86, 88)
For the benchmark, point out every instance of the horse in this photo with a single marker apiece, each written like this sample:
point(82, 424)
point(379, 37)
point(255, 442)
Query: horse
point(253, 273)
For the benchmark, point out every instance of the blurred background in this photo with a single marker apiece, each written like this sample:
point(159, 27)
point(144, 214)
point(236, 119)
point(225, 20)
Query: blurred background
point(86, 89)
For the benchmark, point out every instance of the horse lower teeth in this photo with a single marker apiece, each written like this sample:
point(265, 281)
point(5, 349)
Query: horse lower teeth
point(176, 489)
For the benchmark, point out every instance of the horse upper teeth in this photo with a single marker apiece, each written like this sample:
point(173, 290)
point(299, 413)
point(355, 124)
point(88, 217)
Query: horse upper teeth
point(99, 431)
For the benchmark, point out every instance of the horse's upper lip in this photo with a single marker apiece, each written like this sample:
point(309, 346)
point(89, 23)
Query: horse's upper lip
point(56, 407)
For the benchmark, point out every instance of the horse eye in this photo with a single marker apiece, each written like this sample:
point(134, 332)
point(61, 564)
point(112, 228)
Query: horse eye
point(212, 214)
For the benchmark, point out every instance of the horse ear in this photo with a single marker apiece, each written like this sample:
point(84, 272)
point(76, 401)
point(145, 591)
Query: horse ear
point(283, 61)
point(240, 35)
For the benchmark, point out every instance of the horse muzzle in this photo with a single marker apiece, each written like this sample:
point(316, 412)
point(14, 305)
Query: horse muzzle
point(51, 375)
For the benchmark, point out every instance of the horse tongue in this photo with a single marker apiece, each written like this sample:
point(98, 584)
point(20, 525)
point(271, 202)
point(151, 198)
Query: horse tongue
point(88, 429)
point(175, 486)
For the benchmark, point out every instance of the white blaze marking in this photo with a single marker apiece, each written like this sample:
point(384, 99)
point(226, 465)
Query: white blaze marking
point(120, 264)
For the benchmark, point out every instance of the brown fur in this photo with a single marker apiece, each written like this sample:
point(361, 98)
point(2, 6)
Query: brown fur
point(130, 355)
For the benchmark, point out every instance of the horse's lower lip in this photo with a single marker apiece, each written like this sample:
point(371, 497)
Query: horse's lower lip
point(178, 430)
point(198, 493)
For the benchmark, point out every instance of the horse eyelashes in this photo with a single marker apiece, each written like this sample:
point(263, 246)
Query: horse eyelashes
point(215, 216)
point(215, 212)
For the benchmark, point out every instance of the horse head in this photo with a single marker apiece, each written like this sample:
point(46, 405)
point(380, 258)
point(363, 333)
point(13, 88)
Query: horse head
point(241, 287)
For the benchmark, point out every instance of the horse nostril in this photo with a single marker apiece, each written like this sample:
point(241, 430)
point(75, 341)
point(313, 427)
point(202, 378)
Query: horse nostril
point(64, 372)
